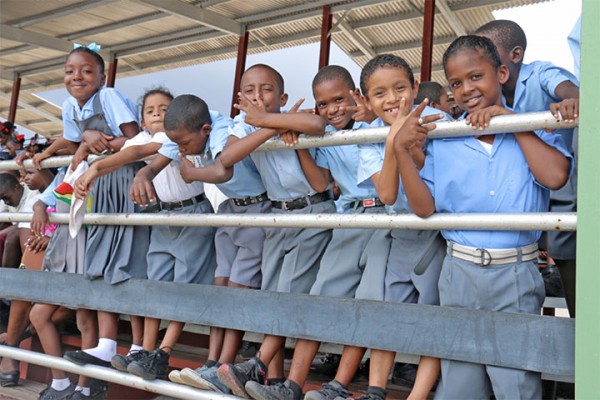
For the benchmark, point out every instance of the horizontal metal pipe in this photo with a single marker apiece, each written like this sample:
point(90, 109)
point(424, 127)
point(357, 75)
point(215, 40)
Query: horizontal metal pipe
point(505, 222)
point(106, 374)
point(499, 124)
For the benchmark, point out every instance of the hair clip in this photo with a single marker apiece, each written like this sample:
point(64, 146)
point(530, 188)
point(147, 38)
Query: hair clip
point(92, 46)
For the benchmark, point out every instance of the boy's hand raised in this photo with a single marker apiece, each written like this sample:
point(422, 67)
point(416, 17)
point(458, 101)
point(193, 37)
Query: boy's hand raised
point(480, 119)
point(255, 109)
point(413, 128)
point(290, 137)
point(568, 110)
point(360, 110)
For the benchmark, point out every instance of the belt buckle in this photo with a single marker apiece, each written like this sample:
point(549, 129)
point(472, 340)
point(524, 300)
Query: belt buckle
point(483, 261)
point(284, 205)
point(368, 203)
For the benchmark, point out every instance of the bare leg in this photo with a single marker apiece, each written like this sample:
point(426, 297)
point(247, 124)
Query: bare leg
point(381, 365)
point(41, 318)
point(271, 354)
point(87, 323)
point(151, 327)
point(233, 338)
point(172, 335)
point(351, 358)
point(427, 374)
point(304, 353)
point(108, 325)
point(18, 320)
point(217, 335)
point(137, 329)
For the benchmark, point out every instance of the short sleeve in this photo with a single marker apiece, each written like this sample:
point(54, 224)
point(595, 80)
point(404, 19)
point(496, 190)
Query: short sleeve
point(551, 76)
point(370, 162)
point(321, 159)
point(219, 132)
point(71, 131)
point(118, 109)
point(169, 149)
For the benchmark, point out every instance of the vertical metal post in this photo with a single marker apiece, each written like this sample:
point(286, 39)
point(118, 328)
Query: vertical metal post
point(112, 72)
point(587, 322)
point(326, 24)
point(428, 17)
point(240, 66)
point(14, 98)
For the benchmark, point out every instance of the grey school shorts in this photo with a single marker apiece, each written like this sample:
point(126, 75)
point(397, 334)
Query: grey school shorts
point(514, 287)
point(291, 256)
point(240, 249)
point(184, 254)
point(354, 262)
point(411, 252)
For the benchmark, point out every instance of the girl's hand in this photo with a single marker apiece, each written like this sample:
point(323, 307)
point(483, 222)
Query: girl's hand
point(98, 142)
point(35, 244)
point(81, 154)
point(38, 158)
point(186, 169)
point(568, 110)
point(142, 191)
point(39, 221)
point(22, 157)
point(361, 111)
point(480, 119)
point(255, 109)
point(415, 128)
point(83, 184)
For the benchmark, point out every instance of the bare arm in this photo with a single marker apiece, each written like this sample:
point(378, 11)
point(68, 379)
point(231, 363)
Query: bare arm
point(142, 189)
point(213, 173)
point(129, 129)
point(317, 177)
point(549, 166)
point(237, 149)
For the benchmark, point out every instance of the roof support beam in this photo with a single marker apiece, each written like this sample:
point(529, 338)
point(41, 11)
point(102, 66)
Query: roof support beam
point(448, 14)
point(39, 112)
point(59, 12)
point(427, 48)
point(34, 38)
point(197, 14)
point(356, 39)
point(325, 45)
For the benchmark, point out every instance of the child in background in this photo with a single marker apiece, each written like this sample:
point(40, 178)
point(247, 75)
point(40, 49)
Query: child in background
point(526, 166)
point(294, 254)
point(99, 120)
point(177, 254)
point(437, 96)
point(541, 86)
point(353, 264)
point(415, 258)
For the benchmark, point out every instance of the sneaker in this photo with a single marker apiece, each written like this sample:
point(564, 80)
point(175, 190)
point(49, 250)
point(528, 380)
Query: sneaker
point(120, 362)
point(331, 391)
point(175, 377)
point(206, 379)
point(404, 374)
point(369, 396)
point(236, 376)
point(155, 365)
point(281, 391)
point(248, 349)
point(80, 357)
point(53, 394)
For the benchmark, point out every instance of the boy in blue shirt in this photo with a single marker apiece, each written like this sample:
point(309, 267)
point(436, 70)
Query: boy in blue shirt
point(353, 264)
point(541, 86)
point(509, 173)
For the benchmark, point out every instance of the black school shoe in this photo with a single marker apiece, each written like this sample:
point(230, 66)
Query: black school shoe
point(153, 366)
point(80, 357)
point(120, 363)
point(9, 378)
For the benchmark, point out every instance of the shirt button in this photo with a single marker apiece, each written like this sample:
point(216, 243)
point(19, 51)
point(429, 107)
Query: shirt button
point(492, 193)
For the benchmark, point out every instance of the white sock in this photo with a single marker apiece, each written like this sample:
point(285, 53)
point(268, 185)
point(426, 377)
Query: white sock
point(60, 384)
point(105, 350)
point(84, 390)
point(134, 347)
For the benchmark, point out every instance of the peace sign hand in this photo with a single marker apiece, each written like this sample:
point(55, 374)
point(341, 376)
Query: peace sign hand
point(414, 128)
point(360, 111)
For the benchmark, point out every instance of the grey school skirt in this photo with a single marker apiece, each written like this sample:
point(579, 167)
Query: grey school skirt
point(63, 253)
point(116, 252)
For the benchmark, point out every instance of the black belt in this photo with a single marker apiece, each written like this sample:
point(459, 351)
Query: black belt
point(368, 203)
point(246, 201)
point(175, 205)
point(302, 201)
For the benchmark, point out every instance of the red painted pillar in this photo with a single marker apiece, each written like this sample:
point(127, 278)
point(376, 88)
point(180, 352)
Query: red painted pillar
point(325, 36)
point(14, 99)
point(428, 17)
point(112, 73)
point(240, 66)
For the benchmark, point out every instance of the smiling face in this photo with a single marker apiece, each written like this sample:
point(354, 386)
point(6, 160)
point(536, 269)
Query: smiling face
point(474, 81)
point(83, 76)
point(330, 95)
point(385, 87)
point(153, 112)
point(262, 83)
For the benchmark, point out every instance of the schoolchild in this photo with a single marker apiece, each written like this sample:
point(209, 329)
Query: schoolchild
point(177, 254)
point(239, 249)
point(414, 262)
point(353, 264)
point(437, 96)
point(99, 120)
point(541, 86)
point(63, 255)
point(525, 167)
point(294, 254)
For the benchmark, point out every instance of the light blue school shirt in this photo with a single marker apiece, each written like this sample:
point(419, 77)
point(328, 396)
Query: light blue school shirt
point(342, 162)
point(464, 178)
point(371, 162)
point(535, 91)
point(574, 40)
point(117, 108)
point(47, 196)
point(219, 123)
point(280, 170)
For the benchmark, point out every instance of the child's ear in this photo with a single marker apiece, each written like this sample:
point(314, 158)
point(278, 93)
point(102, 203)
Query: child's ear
point(103, 80)
point(516, 55)
point(503, 74)
point(205, 130)
point(283, 100)
point(415, 90)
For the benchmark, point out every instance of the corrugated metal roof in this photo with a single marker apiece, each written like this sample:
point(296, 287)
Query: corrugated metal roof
point(152, 35)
